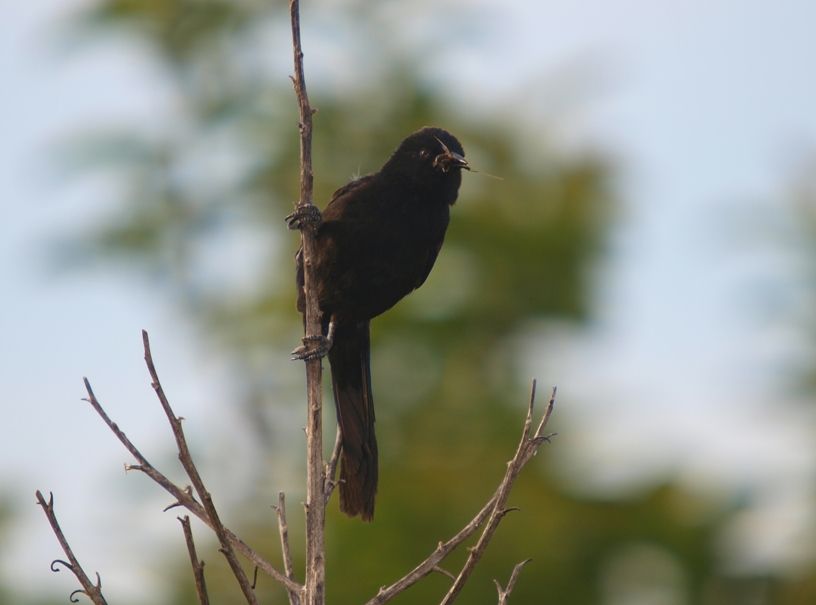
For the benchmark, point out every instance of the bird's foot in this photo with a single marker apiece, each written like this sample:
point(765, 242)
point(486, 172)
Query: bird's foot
point(306, 216)
point(313, 347)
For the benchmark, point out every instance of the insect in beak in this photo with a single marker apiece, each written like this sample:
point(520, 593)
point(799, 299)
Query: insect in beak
point(448, 158)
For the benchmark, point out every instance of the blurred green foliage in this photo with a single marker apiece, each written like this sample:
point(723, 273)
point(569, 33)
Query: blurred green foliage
point(796, 236)
point(204, 190)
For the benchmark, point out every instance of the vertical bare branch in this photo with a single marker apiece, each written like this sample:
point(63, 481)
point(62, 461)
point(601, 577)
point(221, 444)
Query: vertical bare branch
point(187, 462)
point(93, 591)
point(198, 566)
point(283, 530)
point(315, 509)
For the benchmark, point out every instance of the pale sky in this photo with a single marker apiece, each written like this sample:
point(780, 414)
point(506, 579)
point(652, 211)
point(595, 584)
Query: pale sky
point(706, 107)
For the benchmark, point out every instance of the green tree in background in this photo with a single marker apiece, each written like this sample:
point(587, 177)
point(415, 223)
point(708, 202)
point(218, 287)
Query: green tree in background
point(204, 191)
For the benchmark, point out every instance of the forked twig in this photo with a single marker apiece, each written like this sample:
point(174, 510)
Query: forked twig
point(492, 513)
point(192, 472)
point(91, 590)
point(527, 448)
point(504, 593)
point(184, 497)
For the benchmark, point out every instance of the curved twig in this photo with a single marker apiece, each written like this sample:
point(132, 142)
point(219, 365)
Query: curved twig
point(65, 564)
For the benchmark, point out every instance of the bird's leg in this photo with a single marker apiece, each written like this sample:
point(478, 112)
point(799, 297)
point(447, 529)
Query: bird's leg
point(315, 347)
point(306, 216)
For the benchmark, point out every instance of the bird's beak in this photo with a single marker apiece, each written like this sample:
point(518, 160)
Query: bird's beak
point(458, 160)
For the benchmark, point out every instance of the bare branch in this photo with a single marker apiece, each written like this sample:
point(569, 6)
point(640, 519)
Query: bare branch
point(504, 593)
point(528, 446)
point(283, 530)
point(306, 111)
point(184, 497)
point(187, 462)
point(198, 566)
point(314, 591)
point(91, 590)
point(539, 434)
point(430, 564)
point(491, 513)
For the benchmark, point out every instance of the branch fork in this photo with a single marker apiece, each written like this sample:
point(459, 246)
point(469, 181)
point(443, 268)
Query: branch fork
point(490, 516)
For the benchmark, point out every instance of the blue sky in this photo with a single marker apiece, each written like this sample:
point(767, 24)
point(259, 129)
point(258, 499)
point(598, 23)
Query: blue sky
point(706, 106)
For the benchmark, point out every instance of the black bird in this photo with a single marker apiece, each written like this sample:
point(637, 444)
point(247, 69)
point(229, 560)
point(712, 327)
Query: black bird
point(377, 241)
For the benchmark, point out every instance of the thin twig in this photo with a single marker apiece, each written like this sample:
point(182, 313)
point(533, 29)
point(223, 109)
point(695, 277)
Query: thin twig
point(198, 566)
point(504, 593)
point(93, 591)
point(527, 448)
point(329, 481)
point(444, 572)
point(184, 497)
point(314, 592)
point(189, 466)
point(443, 549)
point(492, 512)
point(283, 530)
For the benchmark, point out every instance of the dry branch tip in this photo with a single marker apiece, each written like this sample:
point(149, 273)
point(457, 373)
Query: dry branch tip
point(503, 593)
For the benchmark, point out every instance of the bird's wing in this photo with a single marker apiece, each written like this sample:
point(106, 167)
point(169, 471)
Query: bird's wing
point(348, 188)
point(336, 206)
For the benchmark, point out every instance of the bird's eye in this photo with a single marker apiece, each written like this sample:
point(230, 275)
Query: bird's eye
point(424, 153)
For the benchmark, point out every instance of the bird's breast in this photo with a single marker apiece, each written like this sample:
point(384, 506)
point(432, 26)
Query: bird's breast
point(380, 259)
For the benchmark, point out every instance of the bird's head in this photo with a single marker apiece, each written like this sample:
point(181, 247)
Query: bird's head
point(429, 156)
point(448, 159)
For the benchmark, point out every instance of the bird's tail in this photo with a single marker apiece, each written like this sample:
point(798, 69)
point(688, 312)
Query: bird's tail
point(351, 380)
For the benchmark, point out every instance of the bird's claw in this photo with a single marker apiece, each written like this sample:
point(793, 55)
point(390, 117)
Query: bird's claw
point(306, 216)
point(313, 347)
